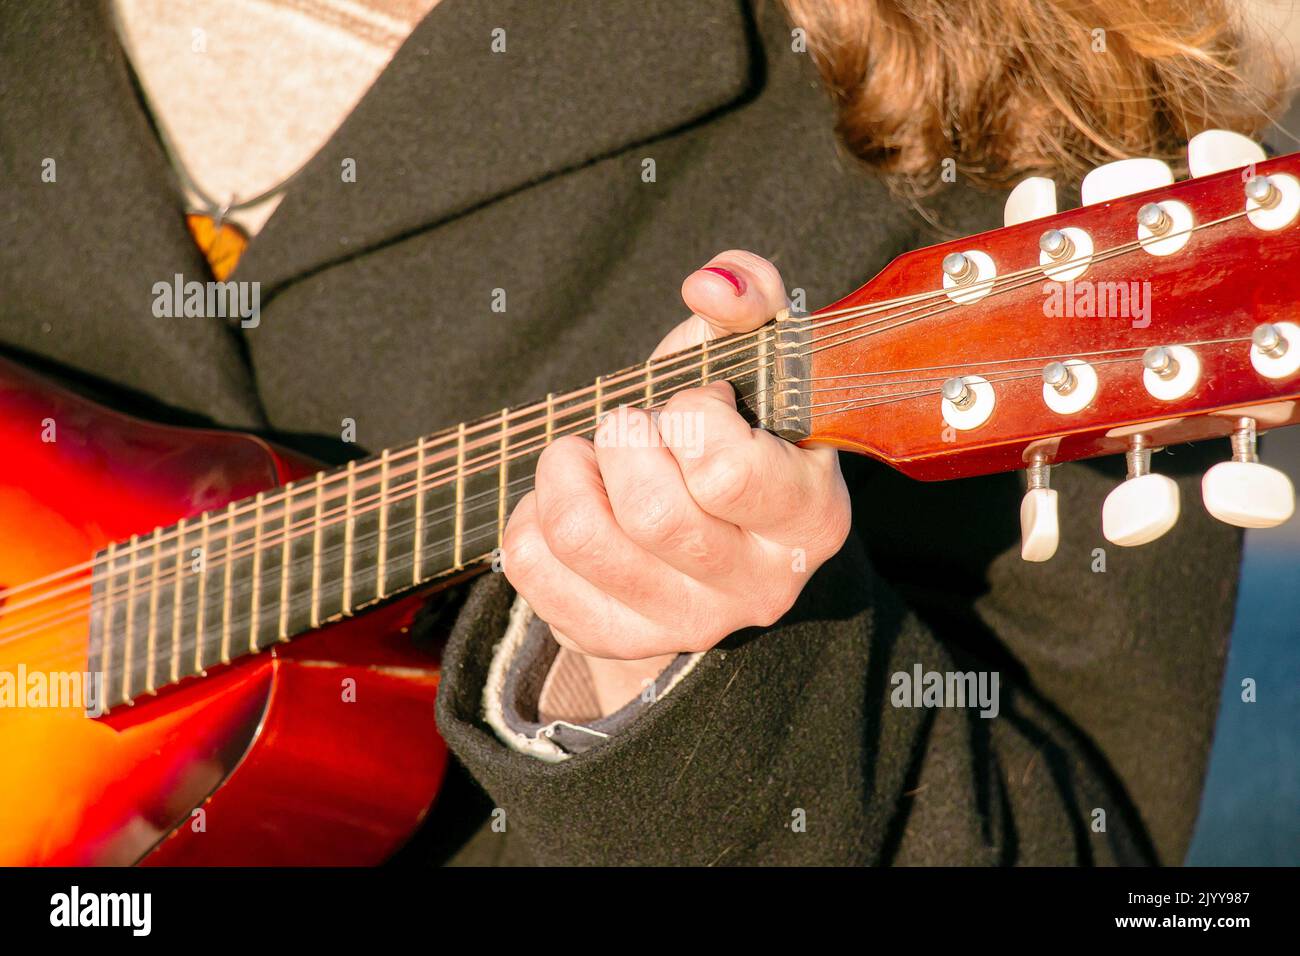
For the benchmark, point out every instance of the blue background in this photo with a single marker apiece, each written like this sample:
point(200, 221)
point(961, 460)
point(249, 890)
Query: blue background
point(1250, 809)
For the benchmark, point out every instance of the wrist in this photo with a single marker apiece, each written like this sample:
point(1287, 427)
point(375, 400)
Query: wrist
point(610, 684)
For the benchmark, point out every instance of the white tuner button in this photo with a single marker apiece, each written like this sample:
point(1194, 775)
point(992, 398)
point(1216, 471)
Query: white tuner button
point(1218, 150)
point(1040, 530)
point(1144, 506)
point(1243, 492)
point(1248, 494)
point(1140, 510)
point(1033, 198)
point(1124, 178)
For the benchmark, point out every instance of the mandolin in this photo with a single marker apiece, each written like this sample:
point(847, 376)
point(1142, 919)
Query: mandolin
point(212, 652)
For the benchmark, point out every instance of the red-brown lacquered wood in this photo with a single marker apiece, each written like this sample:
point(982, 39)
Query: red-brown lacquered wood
point(1229, 278)
point(286, 768)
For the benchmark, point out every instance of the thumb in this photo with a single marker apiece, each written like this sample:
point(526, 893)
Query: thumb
point(736, 291)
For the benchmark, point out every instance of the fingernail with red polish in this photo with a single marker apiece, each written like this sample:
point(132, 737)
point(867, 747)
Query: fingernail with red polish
point(737, 282)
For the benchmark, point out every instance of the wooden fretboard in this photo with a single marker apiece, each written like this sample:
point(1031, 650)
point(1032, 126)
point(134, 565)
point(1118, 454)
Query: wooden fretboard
point(227, 583)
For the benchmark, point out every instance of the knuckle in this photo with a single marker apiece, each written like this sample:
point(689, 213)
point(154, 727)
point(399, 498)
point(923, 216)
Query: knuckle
point(720, 480)
point(559, 457)
point(524, 553)
point(837, 525)
point(571, 525)
point(688, 401)
point(651, 517)
point(712, 563)
point(772, 605)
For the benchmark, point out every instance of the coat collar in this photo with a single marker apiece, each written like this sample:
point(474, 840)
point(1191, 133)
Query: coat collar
point(451, 124)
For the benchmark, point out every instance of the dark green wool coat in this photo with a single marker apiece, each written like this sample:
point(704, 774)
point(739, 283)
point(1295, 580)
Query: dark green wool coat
point(523, 171)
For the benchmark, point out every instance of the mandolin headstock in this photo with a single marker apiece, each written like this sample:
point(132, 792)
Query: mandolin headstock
point(1155, 313)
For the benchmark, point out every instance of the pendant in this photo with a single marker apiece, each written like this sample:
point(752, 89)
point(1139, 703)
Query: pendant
point(221, 245)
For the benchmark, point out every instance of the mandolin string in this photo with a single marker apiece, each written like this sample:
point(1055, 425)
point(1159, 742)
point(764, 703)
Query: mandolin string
point(1025, 358)
point(153, 542)
point(358, 507)
point(434, 441)
point(642, 371)
point(308, 525)
point(78, 643)
point(636, 372)
point(258, 544)
point(491, 460)
point(478, 531)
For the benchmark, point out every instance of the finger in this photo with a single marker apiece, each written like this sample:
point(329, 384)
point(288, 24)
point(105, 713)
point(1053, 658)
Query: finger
point(566, 601)
point(736, 291)
point(649, 499)
point(753, 479)
point(582, 533)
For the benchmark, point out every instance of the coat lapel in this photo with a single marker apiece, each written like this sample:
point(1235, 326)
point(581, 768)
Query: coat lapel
point(452, 123)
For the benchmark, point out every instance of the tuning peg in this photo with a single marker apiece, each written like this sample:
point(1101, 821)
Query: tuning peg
point(1144, 506)
point(1218, 150)
point(1040, 531)
point(1243, 492)
point(1124, 178)
point(1033, 198)
point(1272, 202)
point(1275, 349)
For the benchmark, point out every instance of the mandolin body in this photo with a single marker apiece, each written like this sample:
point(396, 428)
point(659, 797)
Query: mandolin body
point(319, 751)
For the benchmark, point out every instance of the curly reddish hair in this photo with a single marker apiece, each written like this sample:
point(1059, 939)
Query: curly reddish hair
point(1006, 88)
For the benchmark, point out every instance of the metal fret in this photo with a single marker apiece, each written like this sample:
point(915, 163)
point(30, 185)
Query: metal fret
point(348, 533)
point(315, 554)
point(382, 544)
point(282, 629)
point(179, 578)
point(764, 400)
point(106, 652)
point(649, 383)
point(792, 416)
point(503, 483)
point(600, 399)
point(202, 597)
point(550, 415)
point(419, 512)
point(460, 496)
point(227, 593)
point(704, 364)
point(153, 613)
point(130, 616)
point(255, 599)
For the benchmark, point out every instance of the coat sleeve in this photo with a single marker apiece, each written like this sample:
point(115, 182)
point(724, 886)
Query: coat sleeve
point(792, 745)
